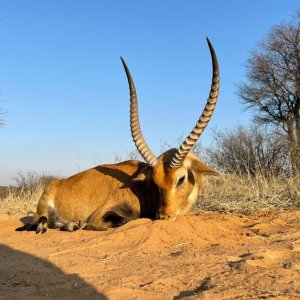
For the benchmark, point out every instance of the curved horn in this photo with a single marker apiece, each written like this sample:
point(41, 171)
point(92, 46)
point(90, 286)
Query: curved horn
point(194, 135)
point(136, 132)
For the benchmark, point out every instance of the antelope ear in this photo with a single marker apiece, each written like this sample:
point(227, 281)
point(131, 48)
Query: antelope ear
point(202, 168)
point(144, 175)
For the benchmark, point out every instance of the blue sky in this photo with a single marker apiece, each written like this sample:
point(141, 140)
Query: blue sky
point(65, 91)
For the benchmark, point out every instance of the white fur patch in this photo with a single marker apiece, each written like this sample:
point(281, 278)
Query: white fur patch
point(50, 203)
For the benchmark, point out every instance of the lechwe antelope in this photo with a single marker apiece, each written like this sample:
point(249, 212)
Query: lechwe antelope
point(113, 194)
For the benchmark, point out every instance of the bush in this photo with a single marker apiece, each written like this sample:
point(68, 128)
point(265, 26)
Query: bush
point(252, 151)
point(24, 195)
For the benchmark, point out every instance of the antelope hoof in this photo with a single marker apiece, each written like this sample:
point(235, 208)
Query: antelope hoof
point(73, 226)
point(42, 225)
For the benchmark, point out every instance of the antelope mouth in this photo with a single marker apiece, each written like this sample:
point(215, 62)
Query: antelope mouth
point(168, 217)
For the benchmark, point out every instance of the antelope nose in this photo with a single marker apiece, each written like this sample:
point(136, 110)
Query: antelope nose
point(165, 217)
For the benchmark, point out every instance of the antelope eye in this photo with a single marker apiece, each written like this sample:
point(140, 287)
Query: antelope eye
point(180, 181)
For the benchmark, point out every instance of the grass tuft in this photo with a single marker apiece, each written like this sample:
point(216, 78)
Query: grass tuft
point(249, 194)
point(21, 200)
point(23, 197)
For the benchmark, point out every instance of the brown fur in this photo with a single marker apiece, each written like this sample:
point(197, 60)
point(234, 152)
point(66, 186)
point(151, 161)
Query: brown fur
point(110, 195)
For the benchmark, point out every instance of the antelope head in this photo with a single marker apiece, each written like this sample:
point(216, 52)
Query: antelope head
point(177, 173)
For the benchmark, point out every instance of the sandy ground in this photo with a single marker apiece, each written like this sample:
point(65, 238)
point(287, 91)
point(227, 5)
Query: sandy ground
point(200, 256)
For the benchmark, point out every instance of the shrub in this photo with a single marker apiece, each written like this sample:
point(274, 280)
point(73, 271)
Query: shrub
point(24, 195)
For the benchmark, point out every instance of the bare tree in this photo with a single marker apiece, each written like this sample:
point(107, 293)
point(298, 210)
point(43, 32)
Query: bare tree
point(31, 180)
point(272, 89)
point(250, 151)
point(197, 149)
point(131, 155)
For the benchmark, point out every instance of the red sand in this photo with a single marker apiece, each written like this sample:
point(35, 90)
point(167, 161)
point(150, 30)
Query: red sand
point(199, 256)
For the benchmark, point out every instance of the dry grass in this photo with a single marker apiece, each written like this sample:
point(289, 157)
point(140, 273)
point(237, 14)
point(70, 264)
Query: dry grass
point(24, 196)
point(21, 200)
point(228, 193)
point(247, 194)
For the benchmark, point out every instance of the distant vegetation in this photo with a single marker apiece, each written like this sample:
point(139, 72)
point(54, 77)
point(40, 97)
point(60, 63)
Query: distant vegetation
point(23, 196)
point(248, 194)
point(256, 172)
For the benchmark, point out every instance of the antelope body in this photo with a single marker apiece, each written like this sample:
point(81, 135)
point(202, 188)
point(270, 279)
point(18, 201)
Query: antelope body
point(110, 195)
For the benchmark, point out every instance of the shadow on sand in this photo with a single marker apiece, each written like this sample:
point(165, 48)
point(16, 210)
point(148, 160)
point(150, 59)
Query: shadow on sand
point(23, 276)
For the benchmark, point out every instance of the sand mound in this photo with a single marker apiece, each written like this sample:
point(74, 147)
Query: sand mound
point(200, 256)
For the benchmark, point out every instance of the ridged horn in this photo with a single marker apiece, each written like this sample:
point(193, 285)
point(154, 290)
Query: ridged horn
point(190, 141)
point(136, 132)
